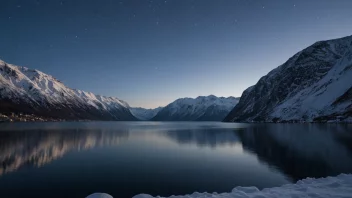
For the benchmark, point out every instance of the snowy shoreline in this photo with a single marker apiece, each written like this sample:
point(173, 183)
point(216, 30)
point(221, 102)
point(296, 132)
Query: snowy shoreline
point(337, 187)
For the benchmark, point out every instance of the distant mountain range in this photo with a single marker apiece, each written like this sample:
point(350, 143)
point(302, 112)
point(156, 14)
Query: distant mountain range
point(202, 108)
point(144, 114)
point(28, 91)
point(313, 85)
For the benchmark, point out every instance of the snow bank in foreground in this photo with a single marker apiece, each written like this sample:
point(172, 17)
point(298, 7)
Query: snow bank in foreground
point(99, 195)
point(336, 187)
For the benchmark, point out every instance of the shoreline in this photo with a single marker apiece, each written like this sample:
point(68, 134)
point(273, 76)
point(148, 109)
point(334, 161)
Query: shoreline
point(20, 118)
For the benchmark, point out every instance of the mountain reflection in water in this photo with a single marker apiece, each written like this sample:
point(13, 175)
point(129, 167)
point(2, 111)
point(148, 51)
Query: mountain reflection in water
point(301, 151)
point(37, 148)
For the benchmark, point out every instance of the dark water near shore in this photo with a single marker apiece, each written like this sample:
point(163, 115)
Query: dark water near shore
point(165, 158)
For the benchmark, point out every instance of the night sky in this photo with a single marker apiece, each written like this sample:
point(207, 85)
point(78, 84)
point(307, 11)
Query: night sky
point(151, 52)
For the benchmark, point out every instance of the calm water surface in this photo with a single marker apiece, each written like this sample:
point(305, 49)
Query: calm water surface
point(165, 158)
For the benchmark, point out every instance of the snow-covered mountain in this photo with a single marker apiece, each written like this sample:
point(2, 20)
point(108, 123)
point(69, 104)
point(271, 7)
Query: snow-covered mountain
point(313, 85)
point(202, 108)
point(144, 114)
point(24, 90)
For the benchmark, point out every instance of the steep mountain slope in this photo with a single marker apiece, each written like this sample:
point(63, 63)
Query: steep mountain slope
point(202, 108)
point(144, 114)
point(313, 85)
point(23, 90)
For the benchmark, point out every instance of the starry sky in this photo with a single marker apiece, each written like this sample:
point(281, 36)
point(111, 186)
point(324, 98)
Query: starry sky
point(151, 52)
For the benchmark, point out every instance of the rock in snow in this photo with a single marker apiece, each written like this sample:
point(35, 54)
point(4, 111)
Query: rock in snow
point(144, 114)
point(24, 90)
point(337, 187)
point(313, 85)
point(202, 108)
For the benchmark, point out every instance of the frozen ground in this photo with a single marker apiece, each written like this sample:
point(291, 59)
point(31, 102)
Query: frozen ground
point(336, 187)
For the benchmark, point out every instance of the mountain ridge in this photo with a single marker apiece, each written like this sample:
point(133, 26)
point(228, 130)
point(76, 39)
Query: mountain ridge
point(24, 90)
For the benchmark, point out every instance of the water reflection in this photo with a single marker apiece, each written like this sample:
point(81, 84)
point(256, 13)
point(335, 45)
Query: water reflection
point(203, 137)
point(301, 151)
point(297, 151)
point(39, 147)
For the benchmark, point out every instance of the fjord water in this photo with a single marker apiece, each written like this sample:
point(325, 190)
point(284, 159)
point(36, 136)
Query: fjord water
point(165, 158)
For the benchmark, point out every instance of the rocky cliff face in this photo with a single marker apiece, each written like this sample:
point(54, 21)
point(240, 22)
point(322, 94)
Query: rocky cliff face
point(313, 85)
